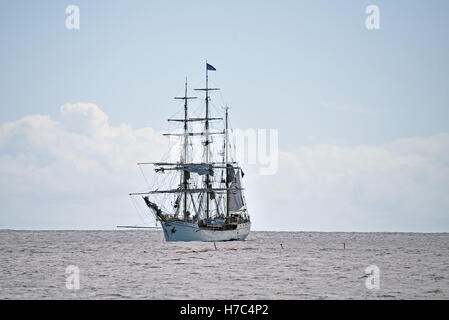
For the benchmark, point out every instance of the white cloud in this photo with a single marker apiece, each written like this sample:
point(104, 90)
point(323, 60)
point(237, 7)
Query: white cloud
point(51, 168)
point(398, 186)
point(76, 171)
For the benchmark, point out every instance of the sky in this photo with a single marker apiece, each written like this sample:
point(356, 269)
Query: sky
point(362, 115)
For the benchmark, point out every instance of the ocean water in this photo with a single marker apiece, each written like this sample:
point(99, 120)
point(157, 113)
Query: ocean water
point(139, 264)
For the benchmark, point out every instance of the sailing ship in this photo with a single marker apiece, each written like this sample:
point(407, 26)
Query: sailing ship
point(204, 199)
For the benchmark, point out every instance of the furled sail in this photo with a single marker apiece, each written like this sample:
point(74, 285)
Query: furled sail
point(235, 197)
point(201, 169)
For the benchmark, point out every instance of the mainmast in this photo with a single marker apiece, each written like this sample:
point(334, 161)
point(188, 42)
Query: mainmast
point(207, 141)
point(186, 174)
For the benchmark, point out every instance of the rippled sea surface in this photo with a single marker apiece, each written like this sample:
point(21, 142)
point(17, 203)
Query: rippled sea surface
point(141, 265)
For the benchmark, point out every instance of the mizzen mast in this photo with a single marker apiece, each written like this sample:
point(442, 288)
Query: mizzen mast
point(226, 162)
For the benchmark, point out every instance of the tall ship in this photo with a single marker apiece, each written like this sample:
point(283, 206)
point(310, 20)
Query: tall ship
point(197, 195)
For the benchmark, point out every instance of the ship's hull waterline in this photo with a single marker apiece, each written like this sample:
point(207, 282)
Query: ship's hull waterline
point(185, 231)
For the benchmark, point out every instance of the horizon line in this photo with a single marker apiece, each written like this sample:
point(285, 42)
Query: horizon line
point(291, 231)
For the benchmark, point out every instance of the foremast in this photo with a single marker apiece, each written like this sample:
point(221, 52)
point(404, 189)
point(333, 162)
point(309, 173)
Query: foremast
point(185, 174)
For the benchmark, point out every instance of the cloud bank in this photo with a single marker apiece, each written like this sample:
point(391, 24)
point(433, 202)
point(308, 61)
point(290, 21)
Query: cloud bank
point(399, 186)
point(75, 172)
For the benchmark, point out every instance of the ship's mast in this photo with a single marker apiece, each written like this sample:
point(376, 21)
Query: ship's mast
point(186, 143)
point(226, 162)
point(186, 137)
point(207, 141)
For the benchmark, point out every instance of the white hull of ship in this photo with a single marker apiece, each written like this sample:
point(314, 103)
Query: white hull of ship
point(185, 231)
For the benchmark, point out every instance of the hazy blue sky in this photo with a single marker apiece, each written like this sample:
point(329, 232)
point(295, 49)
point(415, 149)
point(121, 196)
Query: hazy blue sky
point(308, 68)
point(278, 63)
